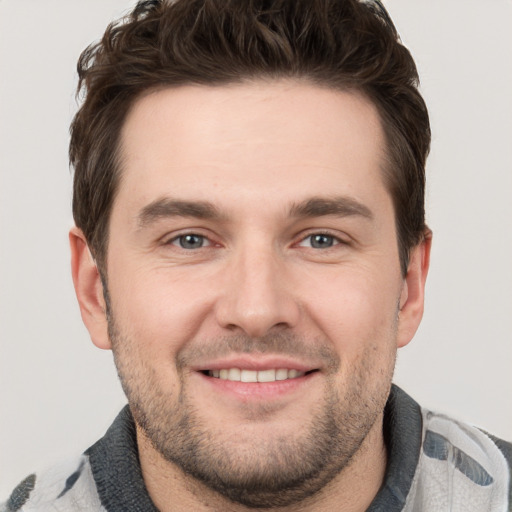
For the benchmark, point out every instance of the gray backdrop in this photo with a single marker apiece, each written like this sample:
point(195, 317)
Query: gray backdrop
point(58, 393)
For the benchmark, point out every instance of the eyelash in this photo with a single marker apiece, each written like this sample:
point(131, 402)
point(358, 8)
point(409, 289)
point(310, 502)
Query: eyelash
point(336, 240)
point(178, 240)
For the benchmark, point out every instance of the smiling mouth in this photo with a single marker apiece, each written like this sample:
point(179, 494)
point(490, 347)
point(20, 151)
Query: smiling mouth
point(271, 375)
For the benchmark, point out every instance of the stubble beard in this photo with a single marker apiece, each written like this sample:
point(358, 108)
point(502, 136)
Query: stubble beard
point(272, 472)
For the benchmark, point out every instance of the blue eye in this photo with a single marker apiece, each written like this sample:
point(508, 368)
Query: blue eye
point(322, 241)
point(191, 241)
point(319, 241)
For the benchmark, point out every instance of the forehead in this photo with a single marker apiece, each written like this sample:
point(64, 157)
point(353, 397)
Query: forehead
point(254, 141)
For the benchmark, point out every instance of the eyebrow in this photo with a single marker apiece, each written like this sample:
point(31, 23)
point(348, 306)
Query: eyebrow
point(312, 207)
point(339, 206)
point(167, 207)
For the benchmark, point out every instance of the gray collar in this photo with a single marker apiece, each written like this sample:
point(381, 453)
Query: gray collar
point(115, 460)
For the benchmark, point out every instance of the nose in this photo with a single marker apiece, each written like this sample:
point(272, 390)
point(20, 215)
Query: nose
point(257, 295)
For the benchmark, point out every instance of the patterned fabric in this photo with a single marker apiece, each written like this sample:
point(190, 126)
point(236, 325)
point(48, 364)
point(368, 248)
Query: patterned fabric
point(460, 468)
point(435, 464)
point(67, 487)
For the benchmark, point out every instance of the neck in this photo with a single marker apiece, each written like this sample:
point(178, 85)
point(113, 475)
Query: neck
point(352, 490)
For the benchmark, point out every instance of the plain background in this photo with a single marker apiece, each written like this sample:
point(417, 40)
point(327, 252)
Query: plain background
point(58, 393)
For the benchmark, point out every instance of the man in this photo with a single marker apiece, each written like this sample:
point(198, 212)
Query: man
point(251, 244)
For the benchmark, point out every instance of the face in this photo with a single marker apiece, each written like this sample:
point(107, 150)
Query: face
point(254, 283)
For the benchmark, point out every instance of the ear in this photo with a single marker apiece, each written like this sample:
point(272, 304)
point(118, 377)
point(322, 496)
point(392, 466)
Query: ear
point(88, 289)
point(412, 298)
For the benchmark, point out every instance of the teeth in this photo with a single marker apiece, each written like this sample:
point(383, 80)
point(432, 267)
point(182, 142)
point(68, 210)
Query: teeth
point(248, 375)
point(235, 374)
point(281, 374)
point(266, 376)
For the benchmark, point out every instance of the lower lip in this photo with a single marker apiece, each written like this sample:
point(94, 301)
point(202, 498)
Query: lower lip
point(258, 390)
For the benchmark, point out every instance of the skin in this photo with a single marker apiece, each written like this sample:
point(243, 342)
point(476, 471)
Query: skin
point(259, 293)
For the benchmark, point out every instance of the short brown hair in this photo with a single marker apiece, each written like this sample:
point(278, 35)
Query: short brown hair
point(341, 44)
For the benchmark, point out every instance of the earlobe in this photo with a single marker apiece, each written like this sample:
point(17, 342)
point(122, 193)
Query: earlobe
point(412, 297)
point(88, 289)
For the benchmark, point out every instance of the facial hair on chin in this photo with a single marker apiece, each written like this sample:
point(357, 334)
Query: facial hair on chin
point(277, 471)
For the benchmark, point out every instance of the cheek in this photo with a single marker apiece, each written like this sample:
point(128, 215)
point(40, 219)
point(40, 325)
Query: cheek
point(158, 308)
point(353, 308)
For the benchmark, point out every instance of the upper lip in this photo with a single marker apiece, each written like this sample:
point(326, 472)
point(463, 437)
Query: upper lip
point(258, 363)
